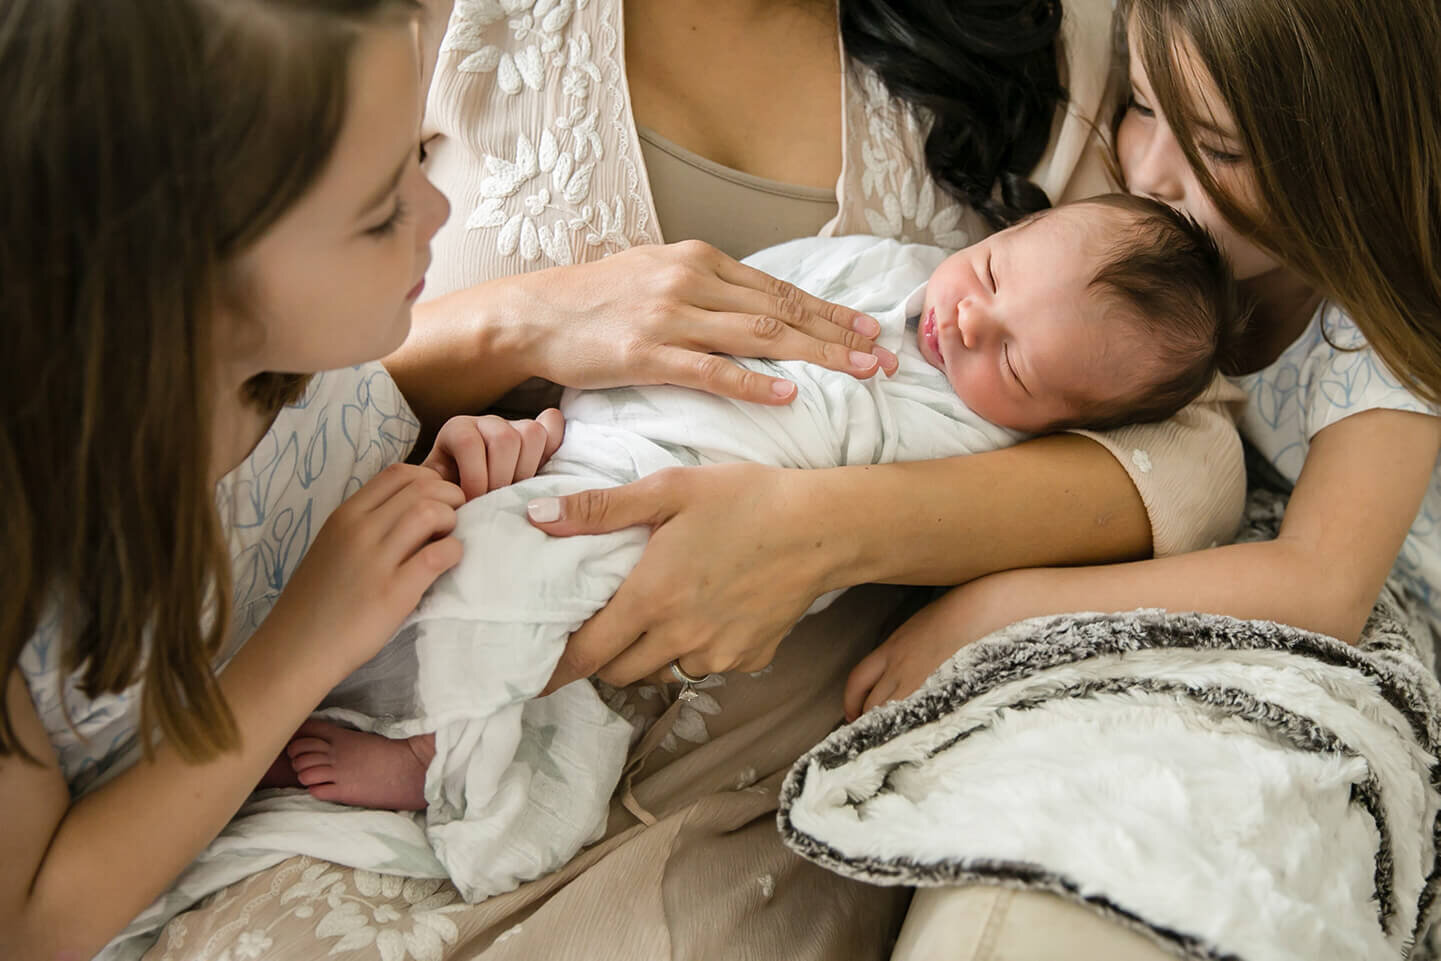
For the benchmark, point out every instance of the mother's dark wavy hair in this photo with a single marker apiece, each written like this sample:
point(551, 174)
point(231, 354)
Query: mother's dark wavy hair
point(147, 144)
point(986, 73)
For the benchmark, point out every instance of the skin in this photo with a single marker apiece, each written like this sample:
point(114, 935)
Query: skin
point(738, 82)
point(1354, 501)
point(321, 273)
point(773, 540)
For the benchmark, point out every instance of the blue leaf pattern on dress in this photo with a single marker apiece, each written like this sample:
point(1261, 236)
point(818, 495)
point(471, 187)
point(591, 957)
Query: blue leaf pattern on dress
point(271, 507)
point(1325, 376)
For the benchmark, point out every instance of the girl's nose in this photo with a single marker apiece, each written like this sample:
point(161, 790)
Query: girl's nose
point(1158, 170)
point(434, 210)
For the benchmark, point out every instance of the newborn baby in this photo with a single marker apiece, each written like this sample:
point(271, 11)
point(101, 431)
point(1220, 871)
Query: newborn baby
point(1094, 314)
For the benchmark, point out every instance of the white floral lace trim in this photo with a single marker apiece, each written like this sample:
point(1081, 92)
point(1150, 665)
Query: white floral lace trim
point(539, 200)
point(903, 200)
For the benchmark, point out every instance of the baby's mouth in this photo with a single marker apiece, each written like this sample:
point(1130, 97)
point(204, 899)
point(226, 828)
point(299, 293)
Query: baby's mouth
point(930, 337)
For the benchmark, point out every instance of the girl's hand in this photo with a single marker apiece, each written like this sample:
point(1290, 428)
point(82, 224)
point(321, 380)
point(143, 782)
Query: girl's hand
point(482, 454)
point(923, 643)
point(370, 564)
point(661, 314)
point(722, 608)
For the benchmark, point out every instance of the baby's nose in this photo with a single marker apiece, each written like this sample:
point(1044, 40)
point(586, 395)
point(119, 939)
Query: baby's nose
point(973, 322)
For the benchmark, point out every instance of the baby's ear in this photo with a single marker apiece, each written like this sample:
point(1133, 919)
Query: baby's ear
point(1233, 334)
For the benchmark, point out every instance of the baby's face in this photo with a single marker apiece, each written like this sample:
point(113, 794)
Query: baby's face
point(1012, 323)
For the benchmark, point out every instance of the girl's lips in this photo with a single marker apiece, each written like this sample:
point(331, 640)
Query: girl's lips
point(415, 291)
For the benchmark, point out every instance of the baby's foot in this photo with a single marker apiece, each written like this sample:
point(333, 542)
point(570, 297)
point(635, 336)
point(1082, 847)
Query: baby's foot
point(367, 770)
point(281, 774)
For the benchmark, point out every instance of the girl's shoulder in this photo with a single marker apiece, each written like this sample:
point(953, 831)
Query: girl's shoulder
point(1327, 374)
point(352, 416)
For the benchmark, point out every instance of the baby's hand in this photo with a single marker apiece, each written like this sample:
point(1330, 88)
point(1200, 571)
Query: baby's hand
point(370, 563)
point(482, 454)
point(903, 662)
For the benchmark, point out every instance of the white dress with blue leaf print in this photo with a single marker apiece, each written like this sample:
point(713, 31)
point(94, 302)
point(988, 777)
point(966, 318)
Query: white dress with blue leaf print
point(347, 427)
point(1328, 374)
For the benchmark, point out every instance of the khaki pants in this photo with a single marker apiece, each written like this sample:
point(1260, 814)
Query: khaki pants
point(986, 923)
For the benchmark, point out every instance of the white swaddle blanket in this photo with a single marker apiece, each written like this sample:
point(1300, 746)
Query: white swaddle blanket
point(511, 796)
point(519, 784)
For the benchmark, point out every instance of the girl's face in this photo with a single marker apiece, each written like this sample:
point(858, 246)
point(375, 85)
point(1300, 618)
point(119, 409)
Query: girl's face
point(333, 282)
point(1153, 164)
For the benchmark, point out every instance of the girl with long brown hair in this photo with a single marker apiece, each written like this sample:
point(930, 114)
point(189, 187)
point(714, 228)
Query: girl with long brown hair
point(210, 199)
point(1306, 134)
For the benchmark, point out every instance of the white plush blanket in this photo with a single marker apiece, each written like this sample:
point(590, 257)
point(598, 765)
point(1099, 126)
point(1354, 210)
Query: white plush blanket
point(1232, 789)
point(519, 784)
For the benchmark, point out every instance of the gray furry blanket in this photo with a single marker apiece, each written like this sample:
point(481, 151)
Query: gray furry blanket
point(1232, 789)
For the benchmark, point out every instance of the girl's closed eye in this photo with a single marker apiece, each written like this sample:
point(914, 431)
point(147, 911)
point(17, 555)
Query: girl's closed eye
point(387, 227)
point(1221, 156)
point(991, 274)
point(1134, 103)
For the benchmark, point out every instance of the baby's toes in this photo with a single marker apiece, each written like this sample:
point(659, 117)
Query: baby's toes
point(301, 746)
point(320, 773)
point(309, 760)
point(328, 791)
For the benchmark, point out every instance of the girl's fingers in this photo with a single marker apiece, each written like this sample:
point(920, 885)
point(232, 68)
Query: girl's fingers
point(460, 457)
point(423, 521)
point(882, 693)
point(414, 515)
point(383, 486)
point(862, 681)
point(533, 440)
point(554, 423)
point(420, 571)
point(502, 450)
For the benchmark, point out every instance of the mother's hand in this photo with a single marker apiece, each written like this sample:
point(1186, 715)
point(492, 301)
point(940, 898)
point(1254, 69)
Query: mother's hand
point(661, 314)
point(725, 608)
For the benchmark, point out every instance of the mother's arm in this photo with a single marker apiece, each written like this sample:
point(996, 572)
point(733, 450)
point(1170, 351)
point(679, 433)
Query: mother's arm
point(738, 552)
point(648, 315)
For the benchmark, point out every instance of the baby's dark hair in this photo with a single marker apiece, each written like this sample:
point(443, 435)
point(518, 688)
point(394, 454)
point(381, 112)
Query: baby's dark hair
point(1166, 275)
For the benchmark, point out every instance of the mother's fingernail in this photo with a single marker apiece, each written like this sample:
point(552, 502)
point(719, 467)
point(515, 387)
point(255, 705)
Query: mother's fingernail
point(866, 326)
point(888, 359)
point(543, 510)
point(782, 388)
point(860, 360)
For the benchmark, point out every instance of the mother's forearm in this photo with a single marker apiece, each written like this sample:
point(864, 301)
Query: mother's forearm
point(465, 351)
point(1058, 500)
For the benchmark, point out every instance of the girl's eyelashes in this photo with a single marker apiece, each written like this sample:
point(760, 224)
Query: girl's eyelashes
point(1218, 156)
point(1134, 104)
point(387, 227)
point(991, 275)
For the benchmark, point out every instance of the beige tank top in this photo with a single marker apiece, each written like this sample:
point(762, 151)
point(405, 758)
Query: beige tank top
point(738, 213)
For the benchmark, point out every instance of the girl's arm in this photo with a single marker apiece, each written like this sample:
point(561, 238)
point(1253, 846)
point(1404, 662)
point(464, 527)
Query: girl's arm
point(1356, 498)
point(75, 874)
point(738, 552)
